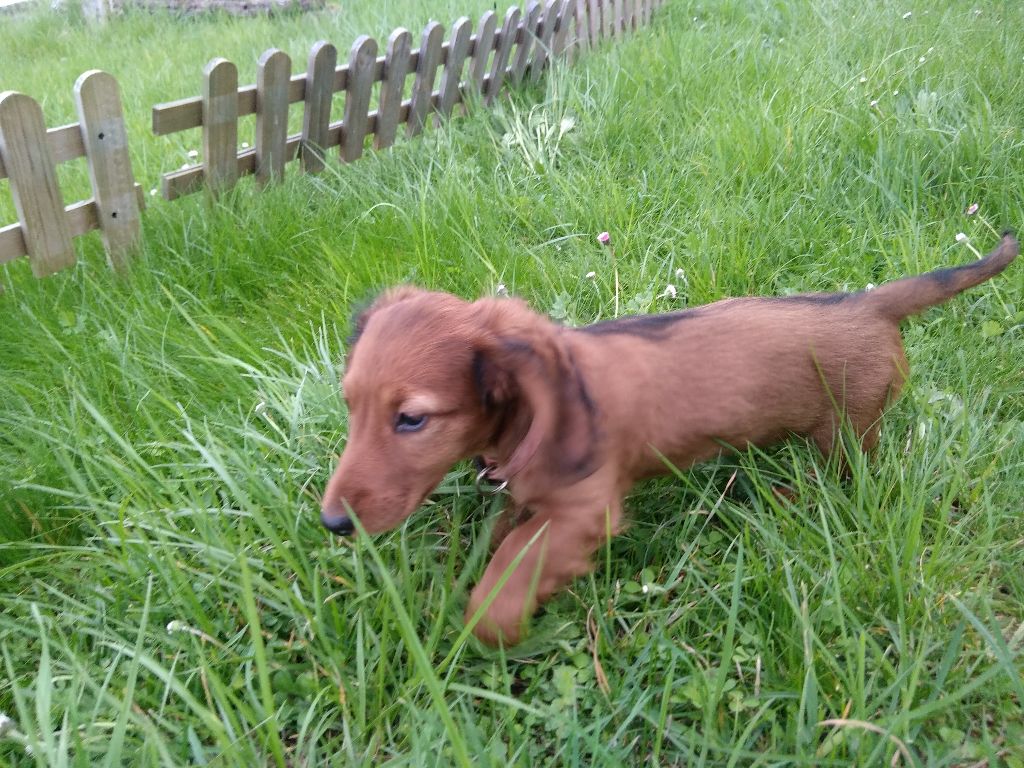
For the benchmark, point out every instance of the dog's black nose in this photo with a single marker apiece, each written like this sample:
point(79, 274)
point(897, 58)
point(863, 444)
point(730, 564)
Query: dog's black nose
point(341, 525)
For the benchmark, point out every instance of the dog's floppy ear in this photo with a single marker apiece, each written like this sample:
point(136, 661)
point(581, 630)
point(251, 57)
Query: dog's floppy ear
point(520, 363)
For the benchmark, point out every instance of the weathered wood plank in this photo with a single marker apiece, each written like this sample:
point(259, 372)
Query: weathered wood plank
point(506, 38)
point(81, 217)
point(607, 19)
point(65, 144)
point(582, 22)
point(396, 68)
point(561, 42)
point(316, 115)
point(32, 171)
point(273, 75)
point(619, 19)
point(110, 167)
point(645, 11)
point(362, 63)
point(451, 80)
point(527, 39)
point(426, 73)
point(545, 35)
point(188, 180)
point(220, 124)
point(594, 17)
point(482, 48)
point(180, 115)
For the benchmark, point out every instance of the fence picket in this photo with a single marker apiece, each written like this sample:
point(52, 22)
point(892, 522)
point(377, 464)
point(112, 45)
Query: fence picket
point(482, 47)
point(362, 64)
point(579, 14)
point(594, 16)
point(220, 125)
point(426, 73)
point(33, 180)
point(501, 55)
point(545, 36)
point(527, 40)
point(562, 19)
point(458, 48)
point(273, 76)
point(316, 115)
point(110, 168)
point(396, 67)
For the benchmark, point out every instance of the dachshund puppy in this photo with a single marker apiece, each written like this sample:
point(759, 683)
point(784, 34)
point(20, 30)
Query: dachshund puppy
point(571, 418)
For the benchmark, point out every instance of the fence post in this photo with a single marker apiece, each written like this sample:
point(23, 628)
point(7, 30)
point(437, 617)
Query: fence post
point(220, 125)
point(426, 73)
point(458, 49)
point(110, 167)
point(482, 51)
point(501, 55)
point(559, 43)
point(545, 36)
point(26, 155)
point(396, 68)
point(594, 16)
point(527, 40)
point(273, 73)
point(362, 61)
point(316, 115)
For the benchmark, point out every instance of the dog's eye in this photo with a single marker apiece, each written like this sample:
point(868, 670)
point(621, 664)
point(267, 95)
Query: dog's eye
point(406, 422)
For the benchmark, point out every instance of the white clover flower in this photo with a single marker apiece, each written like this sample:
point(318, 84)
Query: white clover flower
point(6, 725)
point(972, 209)
point(874, 103)
point(152, 192)
point(245, 145)
point(670, 291)
point(863, 79)
point(896, 92)
point(680, 275)
point(501, 290)
point(869, 287)
point(193, 153)
point(921, 60)
point(908, 14)
point(961, 237)
point(591, 275)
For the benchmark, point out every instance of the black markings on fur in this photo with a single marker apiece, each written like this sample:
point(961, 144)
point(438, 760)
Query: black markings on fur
point(646, 326)
point(584, 464)
point(822, 299)
point(479, 371)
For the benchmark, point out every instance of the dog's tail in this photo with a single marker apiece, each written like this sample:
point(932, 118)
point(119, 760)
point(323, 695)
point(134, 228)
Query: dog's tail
point(911, 295)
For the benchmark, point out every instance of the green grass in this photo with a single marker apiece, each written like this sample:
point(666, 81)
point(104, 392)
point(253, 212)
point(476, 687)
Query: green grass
point(169, 597)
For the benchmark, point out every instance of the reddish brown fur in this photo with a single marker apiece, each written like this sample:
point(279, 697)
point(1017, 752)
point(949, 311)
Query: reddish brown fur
point(572, 418)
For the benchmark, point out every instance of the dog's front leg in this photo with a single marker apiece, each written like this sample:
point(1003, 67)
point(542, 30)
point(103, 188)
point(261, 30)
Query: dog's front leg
point(538, 557)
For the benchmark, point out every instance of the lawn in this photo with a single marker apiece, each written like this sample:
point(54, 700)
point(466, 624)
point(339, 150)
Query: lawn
point(169, 597)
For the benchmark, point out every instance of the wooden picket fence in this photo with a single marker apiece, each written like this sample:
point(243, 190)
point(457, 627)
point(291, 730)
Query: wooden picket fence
point(473, 66)
point(29, 154)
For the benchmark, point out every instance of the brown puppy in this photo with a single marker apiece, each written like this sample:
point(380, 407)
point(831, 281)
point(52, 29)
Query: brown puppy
point(572, 418)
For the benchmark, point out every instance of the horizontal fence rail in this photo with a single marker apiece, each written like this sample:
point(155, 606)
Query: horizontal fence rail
point(29, 155)
point(471, 64)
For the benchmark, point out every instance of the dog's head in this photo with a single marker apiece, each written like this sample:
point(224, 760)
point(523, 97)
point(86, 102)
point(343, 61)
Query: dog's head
point(433, 379)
